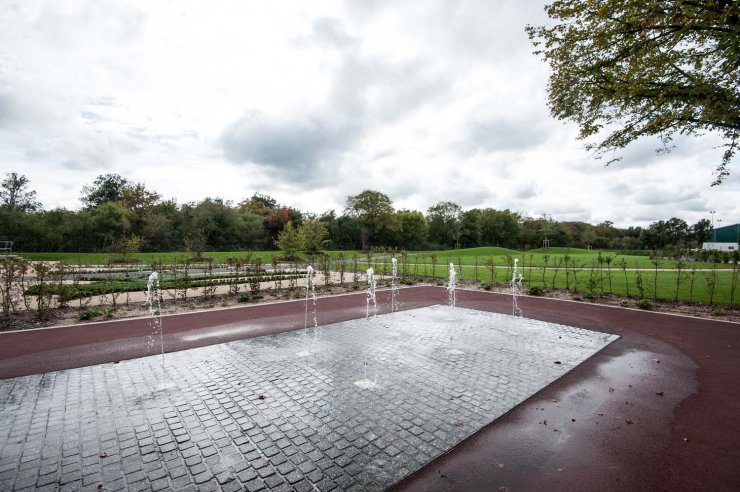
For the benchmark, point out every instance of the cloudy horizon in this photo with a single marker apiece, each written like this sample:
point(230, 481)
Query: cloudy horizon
point(313, 102)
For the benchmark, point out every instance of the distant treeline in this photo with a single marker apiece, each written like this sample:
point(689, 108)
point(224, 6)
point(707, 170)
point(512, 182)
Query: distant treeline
point(121, 216)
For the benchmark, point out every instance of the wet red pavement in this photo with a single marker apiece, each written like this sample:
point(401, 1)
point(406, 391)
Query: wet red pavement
point(659, 409)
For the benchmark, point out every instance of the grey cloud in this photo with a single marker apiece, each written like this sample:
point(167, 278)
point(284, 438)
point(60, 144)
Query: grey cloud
point(117, 22)
point(7, 108)
point(473, 197)
point(695, 205)
point(478, 29)
point(366, 92)
point(621, 190)
point(298, 145)
point(662, 196)
point(502, 134)
point(331, 31)
point(16, 108)
point(664, 202)
point(650, 151)
point(404, 88)
point(526, 191)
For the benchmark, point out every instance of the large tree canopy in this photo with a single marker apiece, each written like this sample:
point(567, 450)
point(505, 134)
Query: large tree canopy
point(14, 194)
point(625, 69)
point(373, 209)
point(105, 188)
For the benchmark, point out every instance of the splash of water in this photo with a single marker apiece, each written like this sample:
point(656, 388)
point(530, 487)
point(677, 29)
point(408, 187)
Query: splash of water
point(371, 294)
point(310, 294)
point(366, 382)
point(516, 288)
point(394, 285)
point(452, 285)
point(153, 302)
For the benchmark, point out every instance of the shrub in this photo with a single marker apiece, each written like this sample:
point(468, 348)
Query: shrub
point(719, 312)
point(644, 304)
point(536, 290)
point(244, 297)
point(486, 285)
point(89, 314)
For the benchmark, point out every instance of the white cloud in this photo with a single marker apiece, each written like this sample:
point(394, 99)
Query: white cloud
point(314, 101)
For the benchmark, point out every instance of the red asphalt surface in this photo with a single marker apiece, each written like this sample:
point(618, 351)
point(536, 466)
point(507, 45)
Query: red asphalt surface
point(658, 409)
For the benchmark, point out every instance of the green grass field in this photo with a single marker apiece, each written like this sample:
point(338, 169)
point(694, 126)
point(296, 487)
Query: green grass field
point(499, 256)
point(587, 270)
point(537, 257)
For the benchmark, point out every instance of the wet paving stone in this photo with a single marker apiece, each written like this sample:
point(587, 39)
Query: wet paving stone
point(283, 412)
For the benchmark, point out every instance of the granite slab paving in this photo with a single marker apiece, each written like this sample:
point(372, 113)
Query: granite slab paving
point(283, 412)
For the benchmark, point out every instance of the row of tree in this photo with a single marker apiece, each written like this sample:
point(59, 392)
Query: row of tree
point(121, 216)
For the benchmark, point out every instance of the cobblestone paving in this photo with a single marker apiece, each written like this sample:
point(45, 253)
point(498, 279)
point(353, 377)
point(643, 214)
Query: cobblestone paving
point(261, 414)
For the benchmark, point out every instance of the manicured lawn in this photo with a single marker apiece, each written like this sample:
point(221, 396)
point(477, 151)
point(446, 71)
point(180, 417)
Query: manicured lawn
point(537, 257)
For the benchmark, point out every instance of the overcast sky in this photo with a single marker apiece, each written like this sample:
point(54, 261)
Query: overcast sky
point(313, 101)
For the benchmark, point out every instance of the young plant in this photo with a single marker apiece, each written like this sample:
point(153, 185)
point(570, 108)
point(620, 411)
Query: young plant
point(623, 266)
point(691, 284)
point(733, 283)
point(639, 284)
point(679, 270)
point(656, 263)
point(608, 260)
point(342, 267)
point(711, 279)
point(545, 261)
point(255, 278)
point(12, 272)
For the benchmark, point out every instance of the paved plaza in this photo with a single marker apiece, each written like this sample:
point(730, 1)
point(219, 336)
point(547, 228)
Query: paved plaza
point(356, 405)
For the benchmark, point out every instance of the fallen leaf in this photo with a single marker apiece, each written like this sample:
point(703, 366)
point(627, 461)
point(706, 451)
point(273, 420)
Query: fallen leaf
point(558, 362)
point(572, 420)
point(629, 421)
point(685, 439)
point(459, 424)
point(554, 429)
point(500, 465)
point(545, 422)
point(611, 390)
point(659, 393)
point(600, 414)
point(397, 429)
point(261, 397)
point(103, 454)
point(100, 486)
point(560, 470)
